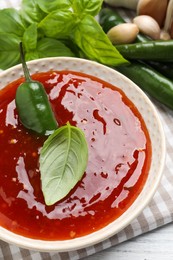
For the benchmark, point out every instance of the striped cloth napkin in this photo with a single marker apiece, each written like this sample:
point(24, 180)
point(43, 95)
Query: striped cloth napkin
point(158, 213)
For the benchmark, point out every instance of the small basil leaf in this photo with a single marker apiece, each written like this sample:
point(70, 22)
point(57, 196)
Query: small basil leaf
point(58, 24)
point(31, 55)
point(87, 6)
point(52, 5)
point(30, 38)
point(48, 47)
point(31, 12)
point(9, 50)
point(11, 22)
point(92, 40)
point(63, 160)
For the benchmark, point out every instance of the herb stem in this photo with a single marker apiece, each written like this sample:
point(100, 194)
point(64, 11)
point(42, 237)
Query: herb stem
point(25, 68)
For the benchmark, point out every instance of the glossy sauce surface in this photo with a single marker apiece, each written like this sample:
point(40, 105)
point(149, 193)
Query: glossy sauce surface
point(119, 159)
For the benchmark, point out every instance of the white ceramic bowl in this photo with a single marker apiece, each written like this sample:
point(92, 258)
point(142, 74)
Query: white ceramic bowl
point(153, 124)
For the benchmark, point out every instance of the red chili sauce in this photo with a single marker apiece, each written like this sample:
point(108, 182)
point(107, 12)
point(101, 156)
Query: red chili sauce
point(119, 159)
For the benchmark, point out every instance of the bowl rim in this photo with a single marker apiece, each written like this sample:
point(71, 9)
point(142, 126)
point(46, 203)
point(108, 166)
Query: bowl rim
point(106, 232)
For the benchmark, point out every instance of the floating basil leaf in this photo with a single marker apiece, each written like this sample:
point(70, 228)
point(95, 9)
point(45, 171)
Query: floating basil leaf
point(63, 160)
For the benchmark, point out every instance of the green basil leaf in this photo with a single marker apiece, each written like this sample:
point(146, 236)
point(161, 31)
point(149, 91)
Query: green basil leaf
point(11, 22)
point(48, 47)
point(30, 38)
point(9, 50)
point(74, 48)
point(63, 160)
point(31, 12)
point(87, 6)
point(52, 5)
point(58, 24)
point(92, 40)
point(31, 55)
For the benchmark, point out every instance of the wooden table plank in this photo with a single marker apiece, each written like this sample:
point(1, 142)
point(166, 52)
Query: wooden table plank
point(157, 244)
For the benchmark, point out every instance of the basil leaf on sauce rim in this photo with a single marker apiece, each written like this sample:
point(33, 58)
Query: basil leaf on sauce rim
point(63, 160)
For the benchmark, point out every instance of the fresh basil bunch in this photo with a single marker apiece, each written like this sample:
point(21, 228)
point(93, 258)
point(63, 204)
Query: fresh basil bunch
point(55, 28)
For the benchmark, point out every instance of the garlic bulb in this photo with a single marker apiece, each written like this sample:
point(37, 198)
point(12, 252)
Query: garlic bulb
point(123, 33)
point(131, 4)
point(148, 26)
point(154, 8)
point(168, 26)
point(164, 35)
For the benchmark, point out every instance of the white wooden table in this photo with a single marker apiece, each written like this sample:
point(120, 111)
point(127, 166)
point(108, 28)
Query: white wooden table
point(155, 245)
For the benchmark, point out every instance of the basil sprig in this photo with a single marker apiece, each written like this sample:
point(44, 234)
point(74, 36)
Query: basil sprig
point(47, 27)
point(63, 160)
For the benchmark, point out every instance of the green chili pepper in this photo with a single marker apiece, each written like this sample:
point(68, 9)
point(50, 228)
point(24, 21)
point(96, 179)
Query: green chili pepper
point(109, 18)
point(32, 104)
point(166, 68)
point(153, 50)
point(151, 81)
